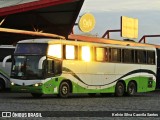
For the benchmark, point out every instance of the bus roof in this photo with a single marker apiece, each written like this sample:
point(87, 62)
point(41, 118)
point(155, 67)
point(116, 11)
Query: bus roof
point(74, 42)
point(108, 41)
point(42, 40)
point(7, 46)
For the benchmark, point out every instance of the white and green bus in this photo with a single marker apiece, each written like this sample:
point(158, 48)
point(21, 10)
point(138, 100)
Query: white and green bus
point(62, 67)
point(5, 50)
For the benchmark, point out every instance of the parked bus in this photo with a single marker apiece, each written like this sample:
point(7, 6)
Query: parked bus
point(62, 67)
point(5, 50)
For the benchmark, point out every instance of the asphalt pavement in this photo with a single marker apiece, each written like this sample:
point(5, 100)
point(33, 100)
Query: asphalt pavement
point(146, 105)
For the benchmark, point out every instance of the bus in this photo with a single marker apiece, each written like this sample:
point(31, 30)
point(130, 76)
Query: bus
point(5, 50)
point(65, 67)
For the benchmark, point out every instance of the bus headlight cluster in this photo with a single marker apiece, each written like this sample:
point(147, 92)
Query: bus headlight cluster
point(37, 84)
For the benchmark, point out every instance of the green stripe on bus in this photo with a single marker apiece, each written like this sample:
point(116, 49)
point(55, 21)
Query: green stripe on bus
point(52, 87)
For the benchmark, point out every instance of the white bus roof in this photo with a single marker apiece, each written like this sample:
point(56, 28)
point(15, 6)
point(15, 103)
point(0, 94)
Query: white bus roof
point(7, 46)
point(60, 41)
point(42, 40)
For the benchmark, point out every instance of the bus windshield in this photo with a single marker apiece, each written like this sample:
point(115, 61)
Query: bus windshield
point(26, 67)
point(31, 48)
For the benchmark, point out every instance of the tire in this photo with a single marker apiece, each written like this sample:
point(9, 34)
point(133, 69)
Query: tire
point(36, 95)
point(120, 89)
point(64, 90)
point(131, 89)
point(2, 86)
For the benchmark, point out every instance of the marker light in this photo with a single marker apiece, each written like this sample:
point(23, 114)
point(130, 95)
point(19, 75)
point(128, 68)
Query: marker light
point(37, 84)
point(12, 83)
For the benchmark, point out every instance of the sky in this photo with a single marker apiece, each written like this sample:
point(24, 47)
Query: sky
point(108, 12)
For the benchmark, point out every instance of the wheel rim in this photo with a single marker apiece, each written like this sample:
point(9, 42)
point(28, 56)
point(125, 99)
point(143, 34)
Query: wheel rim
point(64, 90)
point(120, 89)
point(131, 89)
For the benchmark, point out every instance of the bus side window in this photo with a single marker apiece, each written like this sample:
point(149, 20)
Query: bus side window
point(70, 52)
point(115, 55)
point(128, 56)
point(141, 56)
point(57, 67)
point(50, 68)
point(55, 50)
point(54, 67)
point(101, 54)
point(150, 57)
point(86, 53)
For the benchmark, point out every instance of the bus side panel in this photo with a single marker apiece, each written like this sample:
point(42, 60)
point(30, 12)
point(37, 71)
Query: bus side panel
point(102, 76)
point(147, 78)
point(90, 77)
point(127, 72)
point(142, 74)
point(75, 71)
point(100, 73)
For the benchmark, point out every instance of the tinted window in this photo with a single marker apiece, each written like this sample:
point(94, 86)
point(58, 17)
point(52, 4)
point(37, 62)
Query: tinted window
point(101, 54)
point(26, 68)
point(115, 55)
point(50, 69)
point(128, 56)
point(54, 67)
point(150, 57)
point(31, 49)
point(140, 56)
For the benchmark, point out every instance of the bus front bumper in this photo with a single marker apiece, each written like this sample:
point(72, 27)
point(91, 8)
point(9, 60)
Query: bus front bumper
point(46, 88)
point(27, 89)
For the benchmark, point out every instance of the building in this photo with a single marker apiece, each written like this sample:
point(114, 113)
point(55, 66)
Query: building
point(52, 16)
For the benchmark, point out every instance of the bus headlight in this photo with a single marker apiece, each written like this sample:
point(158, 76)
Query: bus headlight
point(37, 84)
point(12, 83)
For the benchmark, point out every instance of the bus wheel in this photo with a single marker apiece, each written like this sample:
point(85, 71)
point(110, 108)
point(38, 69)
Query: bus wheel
point(64, 90)
point(119, 90)
point(36, 95)
point(2, 86)
point(131, 89)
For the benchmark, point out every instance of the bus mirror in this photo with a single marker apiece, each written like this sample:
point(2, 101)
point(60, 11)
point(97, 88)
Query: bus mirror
point(5, 60)
point(40, 64)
